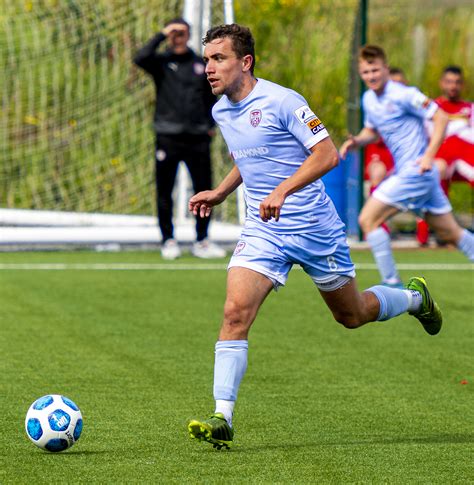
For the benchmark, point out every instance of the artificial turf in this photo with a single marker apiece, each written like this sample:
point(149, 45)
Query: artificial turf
point(386, 403)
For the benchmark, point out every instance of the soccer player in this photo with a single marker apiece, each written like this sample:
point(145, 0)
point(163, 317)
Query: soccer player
point(457, 150)
point(397, 113)
point(281, 150)
point(378, 159)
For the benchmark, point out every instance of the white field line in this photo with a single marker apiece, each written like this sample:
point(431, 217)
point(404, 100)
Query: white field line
point(202, 267)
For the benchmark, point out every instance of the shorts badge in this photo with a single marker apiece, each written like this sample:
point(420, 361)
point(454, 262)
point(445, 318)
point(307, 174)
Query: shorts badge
point(240, 246)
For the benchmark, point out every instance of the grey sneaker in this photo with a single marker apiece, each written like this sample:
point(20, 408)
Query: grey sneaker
point(207, 250)
point(170, 249)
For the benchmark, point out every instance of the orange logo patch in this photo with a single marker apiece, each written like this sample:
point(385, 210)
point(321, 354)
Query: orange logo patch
point(313, 123)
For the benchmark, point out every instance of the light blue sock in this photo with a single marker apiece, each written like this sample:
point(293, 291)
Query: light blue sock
point(466, 244)
point(229, 368)
point(393, 301)
point(379, 242)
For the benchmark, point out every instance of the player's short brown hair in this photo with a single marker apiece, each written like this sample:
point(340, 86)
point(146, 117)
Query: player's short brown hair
point(243, 43)
point(371, 52)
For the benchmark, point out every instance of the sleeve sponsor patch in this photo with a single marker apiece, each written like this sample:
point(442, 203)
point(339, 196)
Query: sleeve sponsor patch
point(315, 125)
point(420, 101)
point(304, 114)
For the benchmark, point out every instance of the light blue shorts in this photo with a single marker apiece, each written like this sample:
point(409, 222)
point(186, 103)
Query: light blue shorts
point(323, 255)
point(409, 190)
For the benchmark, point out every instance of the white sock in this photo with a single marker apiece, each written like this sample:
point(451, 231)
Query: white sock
point(226, 408)
point(379, 242)
point(414, 300)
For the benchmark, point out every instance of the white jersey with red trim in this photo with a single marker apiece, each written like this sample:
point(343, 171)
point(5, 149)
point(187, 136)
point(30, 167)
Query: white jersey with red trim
point(399, 116)
point(269, 135)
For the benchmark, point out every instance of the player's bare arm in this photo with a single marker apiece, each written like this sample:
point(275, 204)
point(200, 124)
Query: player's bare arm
point(322, 159)
point(202, 203)
point(365, 136)
point(440, 122)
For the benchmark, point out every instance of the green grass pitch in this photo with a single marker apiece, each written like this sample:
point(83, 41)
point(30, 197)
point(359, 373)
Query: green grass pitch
point(320, 404)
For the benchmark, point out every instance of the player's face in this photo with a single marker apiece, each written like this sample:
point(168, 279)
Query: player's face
point(375, 74)
point(451, 85)
point(178, 39)
point(225, 71)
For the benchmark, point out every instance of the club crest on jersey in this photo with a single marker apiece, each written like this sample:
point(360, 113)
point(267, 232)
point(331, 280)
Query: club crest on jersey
point(255, 117)
point(198, 68)
point(304, 114)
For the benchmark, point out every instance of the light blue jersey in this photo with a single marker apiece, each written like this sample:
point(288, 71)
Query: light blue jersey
point(269, 134)
point(399, 116)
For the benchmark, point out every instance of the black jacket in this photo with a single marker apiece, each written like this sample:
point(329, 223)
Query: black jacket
point(183, 96)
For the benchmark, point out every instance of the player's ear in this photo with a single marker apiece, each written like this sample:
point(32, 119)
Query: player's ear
point(247, 62)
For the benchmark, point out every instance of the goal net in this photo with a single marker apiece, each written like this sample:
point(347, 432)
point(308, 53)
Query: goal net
point(75, 125)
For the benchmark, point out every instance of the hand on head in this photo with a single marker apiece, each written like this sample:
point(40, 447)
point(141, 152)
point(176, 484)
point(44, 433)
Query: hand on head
point(175, 29)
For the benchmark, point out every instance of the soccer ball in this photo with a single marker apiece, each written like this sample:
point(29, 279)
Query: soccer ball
point(53, 423)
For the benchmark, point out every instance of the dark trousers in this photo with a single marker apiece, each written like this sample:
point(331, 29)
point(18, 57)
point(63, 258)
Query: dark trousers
point(194, 151)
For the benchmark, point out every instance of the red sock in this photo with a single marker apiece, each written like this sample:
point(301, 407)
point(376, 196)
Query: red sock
point(422, 232)
point(445, 186)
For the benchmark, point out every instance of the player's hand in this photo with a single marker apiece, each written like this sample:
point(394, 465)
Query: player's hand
point(426, 163)
point(270, 207)
point(202, 203)
point(173, 29)
point(349, 144)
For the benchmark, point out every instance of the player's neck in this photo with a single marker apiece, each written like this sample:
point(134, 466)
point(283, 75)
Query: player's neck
point(243, 90)
point(180, 50)
point(381, 89)
point(456, 99)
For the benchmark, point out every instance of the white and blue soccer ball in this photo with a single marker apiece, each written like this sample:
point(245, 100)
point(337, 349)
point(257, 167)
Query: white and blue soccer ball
point(53, 423)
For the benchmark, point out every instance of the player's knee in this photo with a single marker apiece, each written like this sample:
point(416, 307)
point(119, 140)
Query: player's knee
point(448, 235)
point(235, 314)
point(364, 223)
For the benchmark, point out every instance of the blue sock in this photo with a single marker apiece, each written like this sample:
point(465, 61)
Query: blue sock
point(393, 301)
point(466, 244)
point(379, 242)
point(229, 368)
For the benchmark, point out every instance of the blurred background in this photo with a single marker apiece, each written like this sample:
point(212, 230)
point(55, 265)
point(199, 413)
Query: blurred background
point(75, 124)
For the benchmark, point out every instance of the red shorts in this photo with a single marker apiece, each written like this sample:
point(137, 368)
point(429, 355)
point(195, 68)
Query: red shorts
point(377, 152)
point(454, 149)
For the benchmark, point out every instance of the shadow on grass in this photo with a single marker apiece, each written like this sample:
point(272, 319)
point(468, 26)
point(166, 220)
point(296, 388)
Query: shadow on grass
point(443, 439)
point(76, 453)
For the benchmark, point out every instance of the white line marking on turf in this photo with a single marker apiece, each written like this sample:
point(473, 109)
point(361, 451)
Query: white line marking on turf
point(202, 267)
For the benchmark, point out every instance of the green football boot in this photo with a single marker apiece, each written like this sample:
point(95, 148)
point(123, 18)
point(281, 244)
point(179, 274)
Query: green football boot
point(215, 430)
point(429, 313)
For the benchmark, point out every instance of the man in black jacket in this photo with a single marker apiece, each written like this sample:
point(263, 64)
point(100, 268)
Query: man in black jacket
point(183, 125)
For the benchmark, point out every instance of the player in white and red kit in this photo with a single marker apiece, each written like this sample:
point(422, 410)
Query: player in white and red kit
point(455, 157)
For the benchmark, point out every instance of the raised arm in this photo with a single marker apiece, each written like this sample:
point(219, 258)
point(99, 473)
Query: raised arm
point(202, 203)
point(365, 136)
point(323, 158)
point(146, 56)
